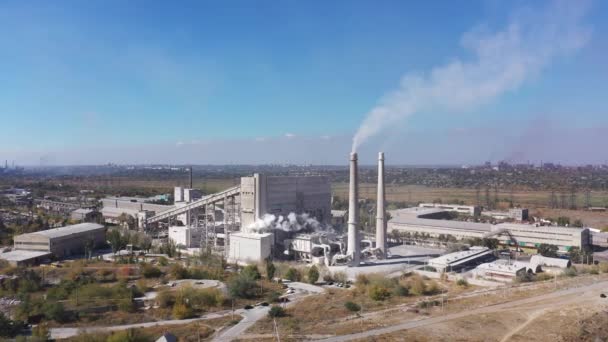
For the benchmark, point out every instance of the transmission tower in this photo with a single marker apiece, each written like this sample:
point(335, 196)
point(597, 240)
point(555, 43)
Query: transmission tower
point(587, 199)
point(563, 204)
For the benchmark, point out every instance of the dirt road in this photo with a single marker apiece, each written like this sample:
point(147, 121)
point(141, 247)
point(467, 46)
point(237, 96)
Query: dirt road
point(540, 302)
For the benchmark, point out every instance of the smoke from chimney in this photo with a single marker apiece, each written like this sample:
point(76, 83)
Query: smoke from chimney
point(503, 61)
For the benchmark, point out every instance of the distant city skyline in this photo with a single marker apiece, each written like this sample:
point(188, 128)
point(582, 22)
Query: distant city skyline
point(149, 82)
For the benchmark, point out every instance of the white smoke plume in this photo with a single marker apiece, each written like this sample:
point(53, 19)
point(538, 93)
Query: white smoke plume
point(502, 62)
point(290, 223)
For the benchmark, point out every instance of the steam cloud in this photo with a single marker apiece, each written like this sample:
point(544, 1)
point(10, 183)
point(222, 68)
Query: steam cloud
point(290, 223)
point(503, 61)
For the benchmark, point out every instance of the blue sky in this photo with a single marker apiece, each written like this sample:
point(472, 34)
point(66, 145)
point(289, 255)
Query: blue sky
point(86, 82)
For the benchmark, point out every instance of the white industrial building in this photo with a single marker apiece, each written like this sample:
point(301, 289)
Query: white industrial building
point(250, 247)
point(186, 236)
point(500, 272)
point(416, 220)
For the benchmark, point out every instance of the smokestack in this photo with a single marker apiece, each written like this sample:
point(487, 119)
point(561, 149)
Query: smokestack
point(190, 176)
point(380, 213)
point(353, 212)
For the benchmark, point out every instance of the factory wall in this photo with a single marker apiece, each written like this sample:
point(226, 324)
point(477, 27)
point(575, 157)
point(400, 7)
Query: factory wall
point(281, 195)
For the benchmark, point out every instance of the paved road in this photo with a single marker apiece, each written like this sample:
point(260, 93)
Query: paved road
point(250, 317)
point(546, 298)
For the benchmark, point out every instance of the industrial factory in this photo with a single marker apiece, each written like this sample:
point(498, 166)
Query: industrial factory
point(290, 218)
point(286, 217)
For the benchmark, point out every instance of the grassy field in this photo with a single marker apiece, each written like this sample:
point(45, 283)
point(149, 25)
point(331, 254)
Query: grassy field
point(417, 193)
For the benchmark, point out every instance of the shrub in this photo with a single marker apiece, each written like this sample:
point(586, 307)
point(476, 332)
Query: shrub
point(432, 288)
point(130, 335)
point(378, 292)
point(252, 272)
point(313, 274)
point(181, 311)
point(276, 311)
point(417, 286)
point(570, 272)
point(177, 271)
point(149, 271)
point(362, 280)
point(462, 282)
point(165, 299)
point(54, 311)
point(126, 305)
point(162, 261)
point(594, 270)
point(401, 291)
point(603, 267)
point(352, 307)
point(293, 274)
point(242, 286)
point(340, 277)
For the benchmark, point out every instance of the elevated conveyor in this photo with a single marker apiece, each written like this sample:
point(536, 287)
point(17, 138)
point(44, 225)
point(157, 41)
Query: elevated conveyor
point(207, 200)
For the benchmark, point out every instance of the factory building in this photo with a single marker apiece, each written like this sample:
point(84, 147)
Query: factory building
point(454, 262)
point(458, 229)
point(524, 235)
point(281, 195)
point(527, 235)
point(64, 241)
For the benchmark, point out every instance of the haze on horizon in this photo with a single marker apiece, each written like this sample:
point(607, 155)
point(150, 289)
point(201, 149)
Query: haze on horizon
point(148, 82)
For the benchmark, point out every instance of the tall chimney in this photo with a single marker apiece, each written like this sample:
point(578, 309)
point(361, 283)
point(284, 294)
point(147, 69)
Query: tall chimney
point(190, 176)
point(353, 212)
point(380, 213)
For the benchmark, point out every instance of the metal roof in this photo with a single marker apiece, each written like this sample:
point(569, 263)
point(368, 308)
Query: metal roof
point(414, 221)
point(65, 231)
point(21, 255)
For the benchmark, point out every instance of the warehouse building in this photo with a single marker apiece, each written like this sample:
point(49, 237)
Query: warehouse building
point(64, 241)
point(417, 220)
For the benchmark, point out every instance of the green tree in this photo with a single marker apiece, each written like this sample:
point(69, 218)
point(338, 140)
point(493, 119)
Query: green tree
point(293, 274)
point(548, 250)
point(578, 223)
point(490, 243)
point(270, 269)
point(242, 286)
point(313, 274)
point(115, 240)
point(55, 311)
point(8, 327)
point(252, 272)
point(563, 221)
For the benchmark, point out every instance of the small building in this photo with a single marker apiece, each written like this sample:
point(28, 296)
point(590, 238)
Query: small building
point(25, 258)
point(186, 236)
point(64, 241)
point(250, 247)
point(519, 214)
point(550, 262)
point(460, 260)
point(86, 215)
point(500, 272)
